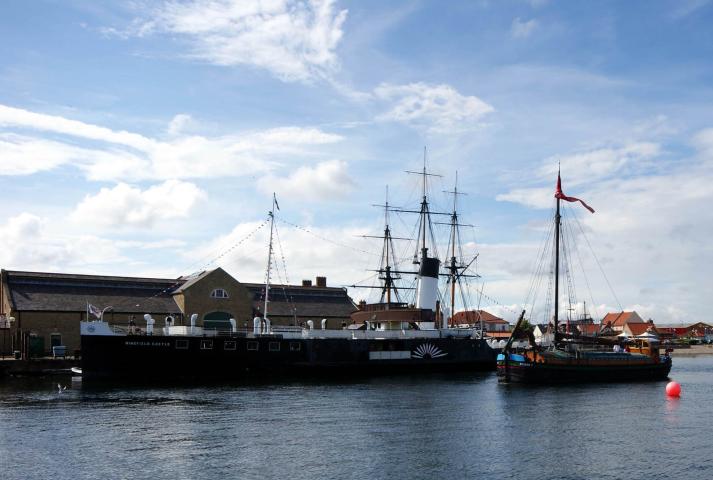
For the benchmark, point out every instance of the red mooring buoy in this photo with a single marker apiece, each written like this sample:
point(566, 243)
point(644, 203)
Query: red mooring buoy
point(673, 389)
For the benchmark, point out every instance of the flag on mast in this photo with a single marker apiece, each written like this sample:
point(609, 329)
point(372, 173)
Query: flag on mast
point(94, 311)
point(562, 196)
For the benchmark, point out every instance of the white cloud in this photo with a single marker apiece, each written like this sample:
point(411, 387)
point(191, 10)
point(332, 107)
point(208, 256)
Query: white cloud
point(168, 243)
point(684, 8)
point(324, 181)
point(523, 29)
point(529, 197)
point(583, 168)
point(25, 155)
point(294, 40)
point(125, 205)
point(16, 117)
point(600, 163)
point(438, 108)
point(128, 156)
point(179, 123)
point(651, 229)
point(703, 141)
point(26, 244)
point(307, 252)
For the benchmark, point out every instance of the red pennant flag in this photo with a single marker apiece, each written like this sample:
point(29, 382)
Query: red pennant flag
point(562, 196)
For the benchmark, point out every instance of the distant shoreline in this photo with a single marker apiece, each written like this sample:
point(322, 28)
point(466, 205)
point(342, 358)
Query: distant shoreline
point(695, 350)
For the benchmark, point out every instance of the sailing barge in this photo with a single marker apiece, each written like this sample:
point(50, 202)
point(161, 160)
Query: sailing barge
point(573, 359)
point(388, 336)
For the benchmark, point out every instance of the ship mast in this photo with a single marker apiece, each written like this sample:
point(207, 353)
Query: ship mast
point(269, 254)
point(427, 279)
point(454, 266)
point(558, 219)
point(424, 221)
point(386, 254)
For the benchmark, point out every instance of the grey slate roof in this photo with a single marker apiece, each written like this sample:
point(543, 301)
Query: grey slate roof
point(33, 291)
point(188, 281)
point(322, 302)
point(37, 291)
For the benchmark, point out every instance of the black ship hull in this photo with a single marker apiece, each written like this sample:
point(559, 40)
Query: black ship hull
point(236, 356)
point(542, 373)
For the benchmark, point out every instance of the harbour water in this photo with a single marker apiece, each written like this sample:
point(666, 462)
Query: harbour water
point(401, 427)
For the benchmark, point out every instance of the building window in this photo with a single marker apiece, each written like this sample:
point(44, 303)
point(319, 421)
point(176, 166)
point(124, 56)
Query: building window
point(55, 339)
point(181, 344)
point(229, 345)
point(206, 344)
point(295, 346)
point(253, 346)
point(274, 346)
point(218, 293)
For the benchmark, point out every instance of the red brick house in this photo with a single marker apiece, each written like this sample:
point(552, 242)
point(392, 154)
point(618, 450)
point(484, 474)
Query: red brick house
point(491, 323)
point(619, 319)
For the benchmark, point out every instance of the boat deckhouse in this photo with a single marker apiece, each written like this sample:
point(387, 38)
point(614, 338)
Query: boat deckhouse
point(49, 306)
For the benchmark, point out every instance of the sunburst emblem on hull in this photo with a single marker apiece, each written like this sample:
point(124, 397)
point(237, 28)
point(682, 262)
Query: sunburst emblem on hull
point(428, 350)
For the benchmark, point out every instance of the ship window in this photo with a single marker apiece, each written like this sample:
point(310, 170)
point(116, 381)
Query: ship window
point(181, 344)
point(206, 344)
point(253, 346)
point(219, 293)
point(274, 346)
point(295, 346)
point(229, 345)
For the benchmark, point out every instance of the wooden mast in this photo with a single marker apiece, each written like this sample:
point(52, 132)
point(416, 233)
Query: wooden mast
point(557, 263)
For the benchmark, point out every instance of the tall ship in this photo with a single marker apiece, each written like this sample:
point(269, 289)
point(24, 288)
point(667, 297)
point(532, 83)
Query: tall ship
point(383, 337)
point(570, 358)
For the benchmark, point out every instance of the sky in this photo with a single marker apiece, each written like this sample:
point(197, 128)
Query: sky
point(147, 138)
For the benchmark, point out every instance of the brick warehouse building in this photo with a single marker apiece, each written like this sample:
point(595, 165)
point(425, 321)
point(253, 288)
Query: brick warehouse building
point(49, 306)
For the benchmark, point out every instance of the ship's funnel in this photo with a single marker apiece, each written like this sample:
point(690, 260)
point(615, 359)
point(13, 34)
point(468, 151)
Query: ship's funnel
point(427, 286)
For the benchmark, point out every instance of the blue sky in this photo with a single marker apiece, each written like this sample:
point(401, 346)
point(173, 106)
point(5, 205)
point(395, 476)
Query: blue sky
point(144, 138)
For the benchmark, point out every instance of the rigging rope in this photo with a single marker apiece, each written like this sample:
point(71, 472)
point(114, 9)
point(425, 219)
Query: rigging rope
point(599, 264)
point(289, 298)
point(211, 262)
point(343, 245)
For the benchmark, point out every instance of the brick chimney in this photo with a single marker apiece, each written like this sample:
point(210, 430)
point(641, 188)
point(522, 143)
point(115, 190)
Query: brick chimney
point(306, 283)
point(321, 281)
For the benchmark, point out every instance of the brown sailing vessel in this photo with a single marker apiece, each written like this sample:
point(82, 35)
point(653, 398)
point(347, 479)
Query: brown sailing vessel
point(577, 360)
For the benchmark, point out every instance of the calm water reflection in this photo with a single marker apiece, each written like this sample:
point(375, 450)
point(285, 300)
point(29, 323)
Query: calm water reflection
point(459, 426)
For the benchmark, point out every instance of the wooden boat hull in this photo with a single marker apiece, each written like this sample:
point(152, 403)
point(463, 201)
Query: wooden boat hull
point(581, 371)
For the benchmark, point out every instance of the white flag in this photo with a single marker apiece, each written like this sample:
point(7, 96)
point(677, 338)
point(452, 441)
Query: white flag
point(94, 311)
